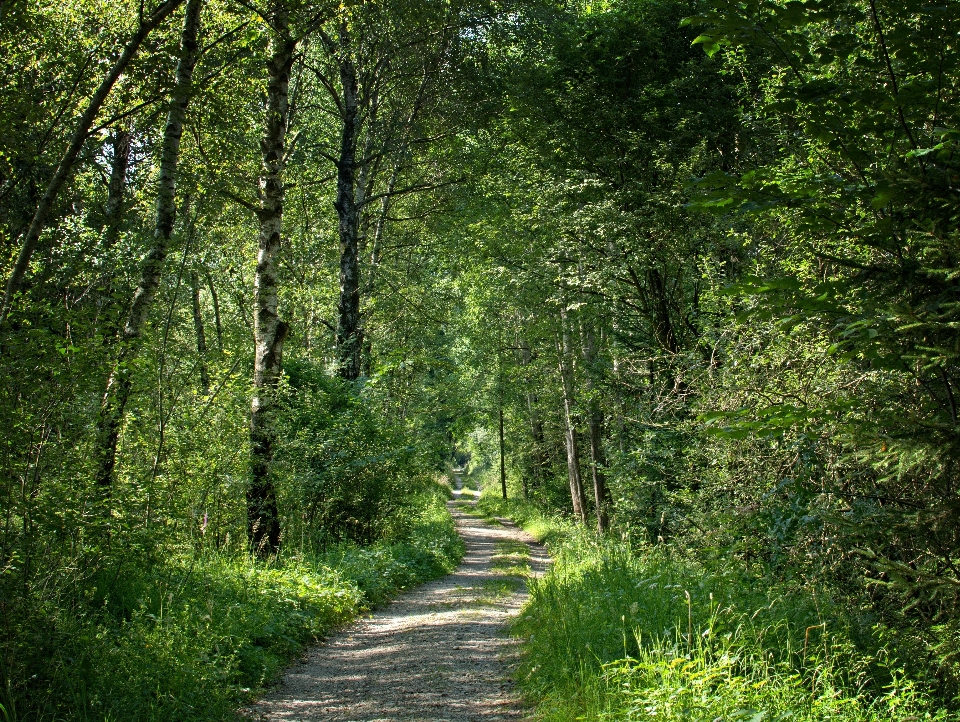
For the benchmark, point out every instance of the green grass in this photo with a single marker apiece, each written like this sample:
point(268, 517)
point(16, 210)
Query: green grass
point(615, 632)
point(201, 633)
point(472, 478)
point(544, 527)
point(492, 592)
point(512, 559)
point(470, 509)
point(479, 510)
point(511, 564)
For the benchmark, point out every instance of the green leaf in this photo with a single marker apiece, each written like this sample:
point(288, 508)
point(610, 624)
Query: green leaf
point(710, 45)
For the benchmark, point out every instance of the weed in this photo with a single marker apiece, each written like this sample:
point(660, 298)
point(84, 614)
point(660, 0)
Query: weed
point(512, 559)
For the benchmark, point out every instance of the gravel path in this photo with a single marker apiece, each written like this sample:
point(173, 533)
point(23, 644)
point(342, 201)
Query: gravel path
point(437, 653)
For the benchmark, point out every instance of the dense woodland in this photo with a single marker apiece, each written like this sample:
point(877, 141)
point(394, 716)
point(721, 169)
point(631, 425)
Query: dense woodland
point(677, 278)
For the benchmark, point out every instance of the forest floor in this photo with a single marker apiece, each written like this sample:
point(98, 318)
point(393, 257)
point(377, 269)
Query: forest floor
point(440, 652)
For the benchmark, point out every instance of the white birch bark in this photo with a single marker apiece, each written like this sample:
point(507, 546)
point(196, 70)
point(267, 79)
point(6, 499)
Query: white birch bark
point(263, 522)
point(114, 402)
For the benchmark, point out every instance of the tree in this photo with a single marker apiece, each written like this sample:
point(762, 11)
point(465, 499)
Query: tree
point(381, 69)
point(65, 167)
point(863, 115)
point(119, 384)
point(269, 331)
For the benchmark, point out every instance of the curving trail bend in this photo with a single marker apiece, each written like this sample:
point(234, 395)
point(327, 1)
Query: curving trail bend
point(439, 652)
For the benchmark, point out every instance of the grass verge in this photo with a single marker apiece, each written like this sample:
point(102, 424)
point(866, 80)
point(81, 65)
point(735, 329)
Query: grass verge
point(545, 528)
point(620, 632)
point(201, 633)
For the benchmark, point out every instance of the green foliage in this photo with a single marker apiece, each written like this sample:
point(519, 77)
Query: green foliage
point(351, 473)
point(752, 252)
point(200, 633)
point(856, 248)
point(545, 527)
point(614, 632)
point(203, 633)
point(429, 547)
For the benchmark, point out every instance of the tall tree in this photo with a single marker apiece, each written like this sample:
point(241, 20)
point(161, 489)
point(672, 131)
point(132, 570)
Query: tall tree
point(270, 332)
point(120, 383)
point(380, 67)
point(65, 168)
point(571, 418)
point(601, 494)
point(199, 330)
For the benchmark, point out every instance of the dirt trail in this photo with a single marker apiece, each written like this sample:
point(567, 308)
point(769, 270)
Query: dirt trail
point(437, 653)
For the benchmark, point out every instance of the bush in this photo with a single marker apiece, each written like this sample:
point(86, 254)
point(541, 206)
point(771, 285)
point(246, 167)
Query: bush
point(346, 473)
point(429, 549)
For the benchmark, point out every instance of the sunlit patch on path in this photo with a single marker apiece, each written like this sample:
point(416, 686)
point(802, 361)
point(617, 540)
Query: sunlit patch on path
point(438, 653)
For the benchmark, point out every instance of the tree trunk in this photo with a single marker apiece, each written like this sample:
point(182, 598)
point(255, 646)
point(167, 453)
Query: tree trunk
point(107, 307)
point(595, 424)
point(263, 521)
point(355, 179)
point(618, 405)
point(119, 384)
point(214, 299)
point(117, 188)
point(198, 328)
point(503, 457)
point(539, 457)
point(349, 341)
point(662, 325)
point(63, 172)
point(570, 422)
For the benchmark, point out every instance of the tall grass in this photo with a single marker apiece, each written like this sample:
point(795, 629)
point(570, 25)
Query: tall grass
point(545, 527)
point(197, 635)
point(617, 632)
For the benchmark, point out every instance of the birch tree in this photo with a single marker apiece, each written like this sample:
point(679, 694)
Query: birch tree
point(571, 418)
point(269, 330)
point(119, 384)
point(379, 68)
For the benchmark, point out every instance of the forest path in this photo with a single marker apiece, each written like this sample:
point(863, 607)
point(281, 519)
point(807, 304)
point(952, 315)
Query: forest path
point(439, 652)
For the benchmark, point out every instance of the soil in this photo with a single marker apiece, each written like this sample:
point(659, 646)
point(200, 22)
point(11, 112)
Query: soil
point(440, 652)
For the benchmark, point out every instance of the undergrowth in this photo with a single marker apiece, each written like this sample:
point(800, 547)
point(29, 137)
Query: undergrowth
point(200, 633)
point(620, 632)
